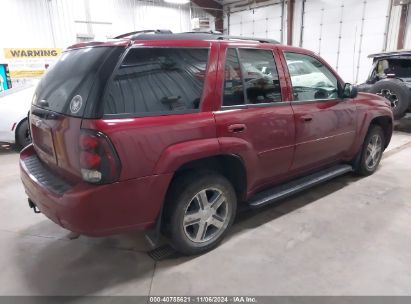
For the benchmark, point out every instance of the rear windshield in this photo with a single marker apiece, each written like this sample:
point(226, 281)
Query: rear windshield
point(66, 86)
point(155, 81)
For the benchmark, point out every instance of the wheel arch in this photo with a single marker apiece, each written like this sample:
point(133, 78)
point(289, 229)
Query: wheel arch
point(231, 166)
point(18, 125)
point(385, 122)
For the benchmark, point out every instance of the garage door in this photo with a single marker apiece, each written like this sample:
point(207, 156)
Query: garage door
point(345, 32)
point(263, 22)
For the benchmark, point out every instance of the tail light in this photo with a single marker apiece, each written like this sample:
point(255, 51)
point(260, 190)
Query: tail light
point(99, 162)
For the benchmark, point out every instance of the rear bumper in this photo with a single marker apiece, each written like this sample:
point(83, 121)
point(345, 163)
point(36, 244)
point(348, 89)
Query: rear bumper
point(98, 210)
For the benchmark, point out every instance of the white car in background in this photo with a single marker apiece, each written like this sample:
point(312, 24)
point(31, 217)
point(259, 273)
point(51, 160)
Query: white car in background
point(14, 107)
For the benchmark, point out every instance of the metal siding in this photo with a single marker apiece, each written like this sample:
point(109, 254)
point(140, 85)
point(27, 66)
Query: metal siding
point(18, 30)
point(336, 30)
point(394, 28)
point(51, 23)
point(264, 22)
point(407, 38)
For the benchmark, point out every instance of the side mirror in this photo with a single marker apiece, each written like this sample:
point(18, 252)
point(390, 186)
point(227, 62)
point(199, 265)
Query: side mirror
point(350, 91)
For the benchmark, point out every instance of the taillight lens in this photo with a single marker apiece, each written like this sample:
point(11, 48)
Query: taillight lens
point(99, 162)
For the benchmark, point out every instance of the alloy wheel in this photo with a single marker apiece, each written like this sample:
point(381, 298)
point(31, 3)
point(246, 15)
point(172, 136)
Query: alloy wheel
point(374, 150)
point(206, 216)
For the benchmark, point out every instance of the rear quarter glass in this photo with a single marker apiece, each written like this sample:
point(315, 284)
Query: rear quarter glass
point(157, 81)
point(75, 83)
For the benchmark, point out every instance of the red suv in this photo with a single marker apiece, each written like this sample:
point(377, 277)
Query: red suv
point(171, 132)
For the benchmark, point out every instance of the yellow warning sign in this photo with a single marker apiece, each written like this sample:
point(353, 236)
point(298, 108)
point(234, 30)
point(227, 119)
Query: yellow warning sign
point(27, 73)
point(31, 53)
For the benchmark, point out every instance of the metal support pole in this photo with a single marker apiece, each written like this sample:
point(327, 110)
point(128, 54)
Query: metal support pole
point(228, 22)
point(360, 43)
point(290, 21)
point(339, 36)
point(387, 26)
point(403, 26)
point(282, 20)
point(302, 23)
point(321, 31)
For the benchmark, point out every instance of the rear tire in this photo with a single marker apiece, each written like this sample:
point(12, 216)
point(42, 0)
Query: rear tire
point(396, 92)
point(370, 154)
point(200, 209)
point(23, 137)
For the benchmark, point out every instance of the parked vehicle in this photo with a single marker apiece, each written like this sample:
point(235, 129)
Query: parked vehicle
point(14, 107)
point(390, 77)
point(170, 132)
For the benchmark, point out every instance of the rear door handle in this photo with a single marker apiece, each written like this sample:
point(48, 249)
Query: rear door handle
point(236, 128)
point(306, 118)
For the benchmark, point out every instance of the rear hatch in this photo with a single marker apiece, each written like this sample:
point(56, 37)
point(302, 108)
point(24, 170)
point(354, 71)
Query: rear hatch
point(66, 94)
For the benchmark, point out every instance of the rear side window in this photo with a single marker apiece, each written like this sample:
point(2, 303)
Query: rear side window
point(260, 76)
point(158, 81)
point(233, 82)
point(251, 77)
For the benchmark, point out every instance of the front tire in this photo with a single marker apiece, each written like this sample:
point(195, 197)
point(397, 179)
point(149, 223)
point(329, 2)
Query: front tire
point(370, 155)
point(199, 211)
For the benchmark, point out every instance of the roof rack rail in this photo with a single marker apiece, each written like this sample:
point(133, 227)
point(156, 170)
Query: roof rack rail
point(204, 32)
point(228, 37)
point(143, 32)
point(262, 40)
point(208, 35)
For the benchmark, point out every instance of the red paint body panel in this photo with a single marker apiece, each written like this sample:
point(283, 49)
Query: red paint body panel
point(325, 132)
point(141, 143)
point(56, 143)
point(267, 144)
point(369, 106)
point(276, 144)
point(268, 154)
point(100, 210)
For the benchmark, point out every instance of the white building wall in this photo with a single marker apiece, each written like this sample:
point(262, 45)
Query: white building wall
point(343, 32)
point(261, 22)
point(56, 23)
point(394, 28)
point(407, 38)
point(60, 23)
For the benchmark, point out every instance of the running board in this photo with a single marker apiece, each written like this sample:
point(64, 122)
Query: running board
point(284, 190)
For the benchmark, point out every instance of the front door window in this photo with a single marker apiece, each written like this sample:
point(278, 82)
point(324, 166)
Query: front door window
point(311, 80)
